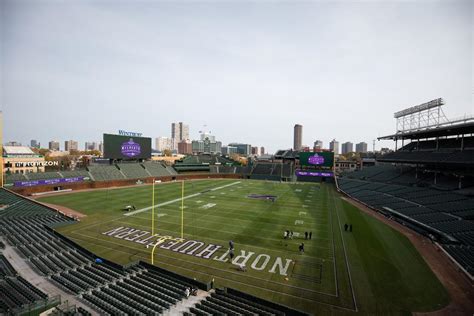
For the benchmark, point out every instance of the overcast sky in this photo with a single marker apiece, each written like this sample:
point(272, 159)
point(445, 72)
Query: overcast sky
point(247, 70)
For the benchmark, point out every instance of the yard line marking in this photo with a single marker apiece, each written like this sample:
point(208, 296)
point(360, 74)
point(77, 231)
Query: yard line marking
point(178, 199)
point(345, 252)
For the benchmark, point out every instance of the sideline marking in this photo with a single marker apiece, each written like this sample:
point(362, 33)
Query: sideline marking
point(178, 199)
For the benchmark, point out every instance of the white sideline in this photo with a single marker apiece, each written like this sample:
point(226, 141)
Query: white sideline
point(177, 200)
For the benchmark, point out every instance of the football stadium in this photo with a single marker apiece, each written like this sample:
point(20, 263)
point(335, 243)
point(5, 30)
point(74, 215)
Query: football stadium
point(209, 236)
point(117, 199)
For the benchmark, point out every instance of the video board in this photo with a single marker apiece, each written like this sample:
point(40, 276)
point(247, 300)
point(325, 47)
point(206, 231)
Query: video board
point(319, 159)
point(126, 147)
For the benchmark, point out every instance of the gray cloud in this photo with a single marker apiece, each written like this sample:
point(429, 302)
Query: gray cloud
point(249, 70)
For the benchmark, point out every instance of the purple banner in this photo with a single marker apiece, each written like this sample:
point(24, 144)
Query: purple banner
point(33, 183)
point(314, 173)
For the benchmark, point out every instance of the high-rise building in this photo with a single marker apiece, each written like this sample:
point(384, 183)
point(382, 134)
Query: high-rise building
point(318, 145)
point(334, 146)
point(70, 145)
point(255, 151)
point(53, 145)
point(34, 143)
point(242, 149)
point(185, 147)
point(361, 147)
point(179, 131)
point(163, 143)
point(229, 150)
point(91, 146)
point(297, 137)
point(184, 130)
point(347, 147)
point(262, 150)
point(101, 147)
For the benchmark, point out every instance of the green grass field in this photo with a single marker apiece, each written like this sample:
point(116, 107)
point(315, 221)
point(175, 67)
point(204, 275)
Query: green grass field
point(373, 270)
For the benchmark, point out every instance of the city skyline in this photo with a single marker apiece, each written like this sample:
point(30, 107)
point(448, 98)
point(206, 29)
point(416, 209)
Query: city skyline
point(339, 69)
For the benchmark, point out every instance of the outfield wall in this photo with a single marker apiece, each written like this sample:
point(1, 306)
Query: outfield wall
point(26, 191)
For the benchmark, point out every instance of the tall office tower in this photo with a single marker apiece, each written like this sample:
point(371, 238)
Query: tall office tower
point(361, 147)
point(184, 131)
point(34, 143)
point(318, 145)
point(262, 150)
point(91, 146)
point(53, 145)
point(162, 143)
point(70, 145)
point(334, 146)
point(347, 147)
point(297, 137)
point(179, 131)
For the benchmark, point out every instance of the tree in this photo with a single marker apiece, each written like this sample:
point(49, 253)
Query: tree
point(167, 152)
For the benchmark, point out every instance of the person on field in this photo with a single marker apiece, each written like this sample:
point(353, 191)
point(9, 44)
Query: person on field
point(242, 267)
point(291, 234)
point(305, 235)
point(301, 248)
point(285, 234)
point(231, 244)
point(345, 227)
point(310, 235)
point(231, 254)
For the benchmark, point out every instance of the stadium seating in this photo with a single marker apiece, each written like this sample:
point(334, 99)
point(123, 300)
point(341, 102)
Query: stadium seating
point(428, 210)
point(42, 175)
point(462, 254)
point(231, 302)
point(105, 173)
point(17, 295)
point(12, 177)
point(75, 173)
point(157, 169)
point(133, 170)
point(447, 151)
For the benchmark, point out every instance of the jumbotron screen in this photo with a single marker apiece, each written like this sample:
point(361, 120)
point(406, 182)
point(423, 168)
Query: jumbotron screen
point(126, 147)
point(320, 159)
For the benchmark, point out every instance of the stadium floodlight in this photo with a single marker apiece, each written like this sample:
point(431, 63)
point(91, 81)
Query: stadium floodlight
point(418, 108)
point(423, 116)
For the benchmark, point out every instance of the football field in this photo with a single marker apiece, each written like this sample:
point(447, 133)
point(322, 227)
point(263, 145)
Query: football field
point(372, 269)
